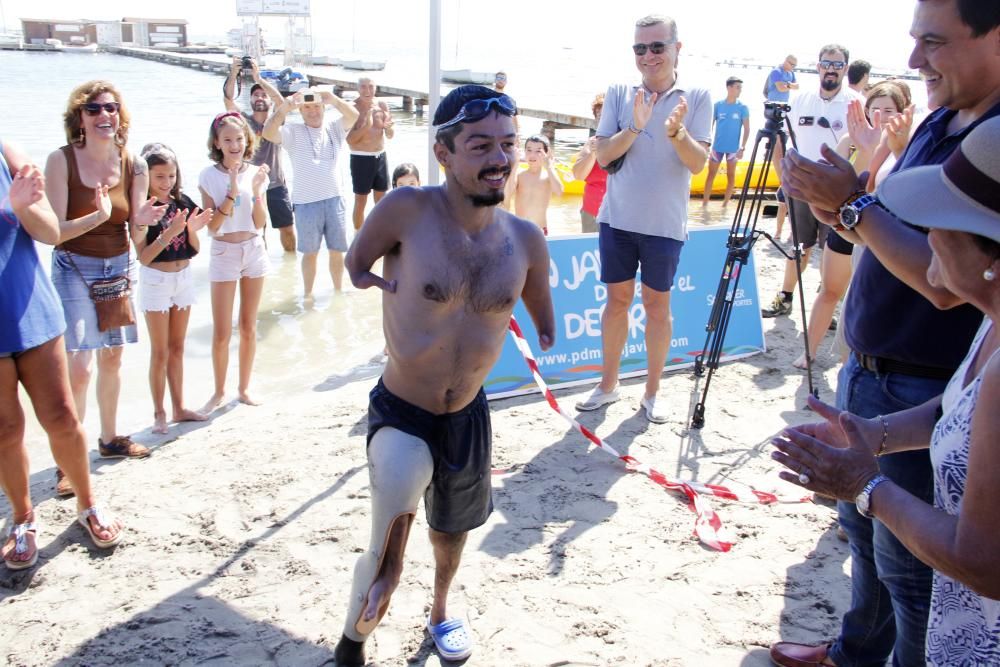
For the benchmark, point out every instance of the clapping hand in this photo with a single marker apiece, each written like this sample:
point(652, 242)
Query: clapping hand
point(102, 202)
point(864, 135)
point(260, 180)
point(148, 213)
point(27, 188)
point(898, 130)
point(199, 220)
point(675, 120)
point(642, 110)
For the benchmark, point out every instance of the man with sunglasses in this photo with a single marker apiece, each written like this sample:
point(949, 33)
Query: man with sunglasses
point(781, 81)
point(263, 98)
point(661, 128)
point(818, 118)
point(453, 266)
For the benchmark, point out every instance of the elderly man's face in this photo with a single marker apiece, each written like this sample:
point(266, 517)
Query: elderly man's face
point(656, 66)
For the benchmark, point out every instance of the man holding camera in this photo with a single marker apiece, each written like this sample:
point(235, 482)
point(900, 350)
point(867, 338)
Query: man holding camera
point(817, 118)
point(314, 148)
point(264, 96)
point(662, 131)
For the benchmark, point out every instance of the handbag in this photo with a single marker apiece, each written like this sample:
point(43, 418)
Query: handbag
point(111, 298)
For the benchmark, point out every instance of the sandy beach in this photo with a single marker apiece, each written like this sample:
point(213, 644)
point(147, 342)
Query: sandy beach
point(243, 532)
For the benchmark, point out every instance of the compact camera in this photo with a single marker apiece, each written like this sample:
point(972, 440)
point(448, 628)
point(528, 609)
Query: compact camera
point(308, 98)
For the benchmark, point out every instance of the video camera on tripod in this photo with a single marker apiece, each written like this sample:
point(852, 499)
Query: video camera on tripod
point(743, 235)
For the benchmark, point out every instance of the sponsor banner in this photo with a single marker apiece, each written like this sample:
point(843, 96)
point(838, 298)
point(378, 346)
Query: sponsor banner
point(579, 297)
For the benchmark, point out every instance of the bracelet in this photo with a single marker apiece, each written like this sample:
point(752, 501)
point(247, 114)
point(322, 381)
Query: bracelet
point(885, 436)
point(230, 198)
point(633, 129)
point(159, 239)
point(257, 199)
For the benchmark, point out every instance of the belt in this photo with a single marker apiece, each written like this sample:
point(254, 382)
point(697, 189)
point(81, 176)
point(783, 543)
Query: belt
point(882, 365)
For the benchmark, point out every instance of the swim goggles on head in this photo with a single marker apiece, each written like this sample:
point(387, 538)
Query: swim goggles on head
point(474, 110)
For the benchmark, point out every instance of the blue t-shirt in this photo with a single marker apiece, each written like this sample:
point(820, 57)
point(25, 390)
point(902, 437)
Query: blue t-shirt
point(779, 74)
point(728, 125)
point(883, 317)
point(29, 307)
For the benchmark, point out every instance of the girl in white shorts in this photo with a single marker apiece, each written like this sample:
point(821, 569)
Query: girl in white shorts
point(234, 189)
point(166, 289)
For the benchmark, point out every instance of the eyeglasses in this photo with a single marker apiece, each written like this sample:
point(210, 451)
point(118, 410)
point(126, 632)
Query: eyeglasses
point(222, 116)
point(656, 47)
point(474, 110)
point(832, 64)
point(94, 108)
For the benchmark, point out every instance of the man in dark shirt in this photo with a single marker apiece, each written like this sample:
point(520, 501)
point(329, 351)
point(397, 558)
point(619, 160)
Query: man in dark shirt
point(263, 98)
point(906, 336)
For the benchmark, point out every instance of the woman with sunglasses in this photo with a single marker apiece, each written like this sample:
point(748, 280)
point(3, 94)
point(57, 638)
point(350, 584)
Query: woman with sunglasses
point(167, 287)
point(233, 189)
point(32, 355)
point(96, 188)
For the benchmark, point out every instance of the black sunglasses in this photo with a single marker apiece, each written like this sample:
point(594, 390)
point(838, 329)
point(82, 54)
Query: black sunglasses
point(474, 110)
point(656, 47)
point(94, 108)
point(832, 64)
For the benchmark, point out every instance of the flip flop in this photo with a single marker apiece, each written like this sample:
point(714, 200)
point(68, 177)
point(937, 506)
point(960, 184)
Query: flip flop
point(19, 532)
point(452, 638)
point(103, 519)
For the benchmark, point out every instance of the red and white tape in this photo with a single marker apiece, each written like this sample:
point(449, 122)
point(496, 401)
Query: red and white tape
point(708, 527)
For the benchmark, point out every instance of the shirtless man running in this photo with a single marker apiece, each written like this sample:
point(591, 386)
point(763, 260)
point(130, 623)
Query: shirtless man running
point(454, 265)
point(538, 184)
point(369, 168)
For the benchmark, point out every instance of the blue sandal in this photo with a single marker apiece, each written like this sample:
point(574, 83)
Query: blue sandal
point(452, 638)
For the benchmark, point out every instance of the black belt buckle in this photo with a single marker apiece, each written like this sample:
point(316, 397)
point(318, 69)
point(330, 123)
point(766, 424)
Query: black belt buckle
point(868, 363)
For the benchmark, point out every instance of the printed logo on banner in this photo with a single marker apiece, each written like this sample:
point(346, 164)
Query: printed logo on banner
point(579, 297)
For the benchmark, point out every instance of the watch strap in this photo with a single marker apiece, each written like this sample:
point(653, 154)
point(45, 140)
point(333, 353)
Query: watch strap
point(865, 497)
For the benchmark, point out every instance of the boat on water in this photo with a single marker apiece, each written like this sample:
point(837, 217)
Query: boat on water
point(468, 76)
point(571, 186)
point(325, 60)
point(364, 65)
point(286, 80)
point(79, 48)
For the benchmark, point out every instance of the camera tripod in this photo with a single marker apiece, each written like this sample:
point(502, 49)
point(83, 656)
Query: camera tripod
point(743, 235)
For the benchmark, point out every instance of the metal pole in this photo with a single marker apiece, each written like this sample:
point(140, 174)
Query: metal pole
point(434, 88)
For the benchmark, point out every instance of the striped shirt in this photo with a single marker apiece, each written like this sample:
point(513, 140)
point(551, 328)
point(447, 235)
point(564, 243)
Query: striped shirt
point(313, 152)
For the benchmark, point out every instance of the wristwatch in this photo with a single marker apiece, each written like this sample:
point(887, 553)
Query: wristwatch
point(850, 211)
point(863, 499)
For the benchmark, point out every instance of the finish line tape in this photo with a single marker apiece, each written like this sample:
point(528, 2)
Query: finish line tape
point(708, 527)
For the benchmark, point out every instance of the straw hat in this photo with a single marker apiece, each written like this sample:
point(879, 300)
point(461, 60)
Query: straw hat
point(963, 194)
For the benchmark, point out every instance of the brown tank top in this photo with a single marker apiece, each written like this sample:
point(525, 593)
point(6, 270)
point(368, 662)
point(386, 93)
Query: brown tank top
point(110, 238)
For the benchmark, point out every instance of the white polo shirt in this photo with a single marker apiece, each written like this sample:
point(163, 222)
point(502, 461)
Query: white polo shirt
point(807, 108)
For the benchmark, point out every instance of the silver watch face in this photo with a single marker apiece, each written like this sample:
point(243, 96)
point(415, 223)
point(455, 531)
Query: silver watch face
point(862, 503)
point(849, 217)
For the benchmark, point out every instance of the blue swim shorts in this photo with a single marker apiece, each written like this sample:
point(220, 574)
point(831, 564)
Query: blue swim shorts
point(622, 254)
point(318, 220)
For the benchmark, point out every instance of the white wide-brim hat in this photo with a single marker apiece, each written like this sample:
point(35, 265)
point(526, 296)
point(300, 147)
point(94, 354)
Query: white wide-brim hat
point(962, 194)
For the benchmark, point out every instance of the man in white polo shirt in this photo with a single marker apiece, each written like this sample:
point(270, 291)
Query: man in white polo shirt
point(662, 129)
point(818, 117)
point(314, 147)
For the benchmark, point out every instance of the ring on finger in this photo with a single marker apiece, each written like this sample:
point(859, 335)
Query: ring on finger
point(803, 478)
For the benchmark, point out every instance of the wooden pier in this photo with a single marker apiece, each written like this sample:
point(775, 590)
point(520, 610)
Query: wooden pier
point(413, 100)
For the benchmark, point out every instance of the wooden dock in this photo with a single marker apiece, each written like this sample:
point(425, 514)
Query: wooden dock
point(413, 100)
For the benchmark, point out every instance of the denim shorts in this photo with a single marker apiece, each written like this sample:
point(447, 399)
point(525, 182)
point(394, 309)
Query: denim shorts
point(623, 252)
point(162, 290)
point(318, 220)
point(232, 261)
point(81, 315)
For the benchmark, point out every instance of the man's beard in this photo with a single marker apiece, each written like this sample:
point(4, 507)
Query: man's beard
point(260, 105)
point(495, 196)
point(830, 84)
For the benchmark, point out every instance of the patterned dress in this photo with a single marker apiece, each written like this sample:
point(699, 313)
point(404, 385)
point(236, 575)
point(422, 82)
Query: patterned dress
point(964, 627)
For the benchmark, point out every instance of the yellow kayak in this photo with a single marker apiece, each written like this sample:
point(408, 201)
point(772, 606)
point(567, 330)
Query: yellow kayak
point(571, 186)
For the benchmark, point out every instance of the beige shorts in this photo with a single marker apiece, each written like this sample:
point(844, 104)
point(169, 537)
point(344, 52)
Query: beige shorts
point(232, 261)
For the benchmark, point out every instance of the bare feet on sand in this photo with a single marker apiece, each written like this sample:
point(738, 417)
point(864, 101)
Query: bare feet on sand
point(159, 422)
point(212, 404)
point(185, 415)
point(247, 399)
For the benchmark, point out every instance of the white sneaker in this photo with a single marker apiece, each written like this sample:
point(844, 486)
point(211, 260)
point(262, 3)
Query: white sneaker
point(597, 398)
point(655, 413)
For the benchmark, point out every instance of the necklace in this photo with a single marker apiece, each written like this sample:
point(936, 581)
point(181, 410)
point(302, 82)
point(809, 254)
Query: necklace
point(316, 143)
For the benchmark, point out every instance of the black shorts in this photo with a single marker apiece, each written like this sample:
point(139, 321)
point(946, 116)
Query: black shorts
point(460, 496)
point(369, 172)
point(836, 243)
point(279, 207)
point(809, 231)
